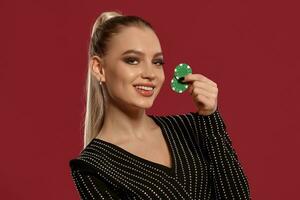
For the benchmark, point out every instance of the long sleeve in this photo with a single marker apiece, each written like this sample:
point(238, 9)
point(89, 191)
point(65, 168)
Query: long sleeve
point(91, 187)
point(230, 181)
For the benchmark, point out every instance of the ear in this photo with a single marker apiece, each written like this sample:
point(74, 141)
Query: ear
point(97, 68)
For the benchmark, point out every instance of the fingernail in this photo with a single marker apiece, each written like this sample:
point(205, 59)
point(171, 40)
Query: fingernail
point(181, 79)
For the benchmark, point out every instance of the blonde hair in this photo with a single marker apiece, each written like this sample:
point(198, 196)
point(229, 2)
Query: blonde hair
point(105, 26)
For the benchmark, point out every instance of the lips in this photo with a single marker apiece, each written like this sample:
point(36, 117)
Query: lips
point(145, 84)
point(145, 89)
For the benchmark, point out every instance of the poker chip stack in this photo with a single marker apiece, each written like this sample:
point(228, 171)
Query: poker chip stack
point(180, 72)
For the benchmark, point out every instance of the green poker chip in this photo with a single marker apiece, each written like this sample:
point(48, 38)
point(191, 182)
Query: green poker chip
point(177, 86)
point(180, 72)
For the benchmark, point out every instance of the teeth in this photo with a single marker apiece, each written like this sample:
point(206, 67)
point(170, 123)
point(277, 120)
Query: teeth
point(144, 87)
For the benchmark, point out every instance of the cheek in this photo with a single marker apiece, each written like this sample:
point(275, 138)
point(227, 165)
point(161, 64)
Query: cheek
point(123, 77)
point(162, 77)
point(114, 79)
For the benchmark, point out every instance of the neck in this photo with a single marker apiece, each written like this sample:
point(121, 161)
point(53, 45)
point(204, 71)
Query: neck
point(125, 123)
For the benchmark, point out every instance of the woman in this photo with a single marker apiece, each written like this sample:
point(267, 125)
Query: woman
point(131, 155)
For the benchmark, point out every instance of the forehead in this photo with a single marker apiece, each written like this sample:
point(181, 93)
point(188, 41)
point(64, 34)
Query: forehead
point(141, 39)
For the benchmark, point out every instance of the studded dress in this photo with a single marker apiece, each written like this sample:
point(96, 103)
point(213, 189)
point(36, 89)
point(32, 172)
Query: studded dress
point(204, 165)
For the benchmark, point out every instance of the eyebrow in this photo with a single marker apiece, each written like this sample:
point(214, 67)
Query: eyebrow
point(140, 53)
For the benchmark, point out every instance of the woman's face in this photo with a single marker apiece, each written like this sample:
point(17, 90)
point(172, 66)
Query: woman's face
point(134, 57)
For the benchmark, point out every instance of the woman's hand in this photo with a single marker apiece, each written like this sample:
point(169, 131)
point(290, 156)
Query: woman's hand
point(204, 93)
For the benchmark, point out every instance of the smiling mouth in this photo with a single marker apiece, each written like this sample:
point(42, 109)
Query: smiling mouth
point(145, 90)
point(148, 88)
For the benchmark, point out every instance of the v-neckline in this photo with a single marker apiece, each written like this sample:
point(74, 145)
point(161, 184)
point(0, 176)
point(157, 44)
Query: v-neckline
point(167, 169)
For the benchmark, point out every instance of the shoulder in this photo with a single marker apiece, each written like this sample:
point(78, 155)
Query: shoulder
point(83, 161)
point(177, 118)
point(79, 163)
point(192, 118)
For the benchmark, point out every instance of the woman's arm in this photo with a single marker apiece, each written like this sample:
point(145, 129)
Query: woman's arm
point(230, 181)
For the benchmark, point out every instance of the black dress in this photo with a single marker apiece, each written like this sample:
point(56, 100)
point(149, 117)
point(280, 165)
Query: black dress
point(204, 165)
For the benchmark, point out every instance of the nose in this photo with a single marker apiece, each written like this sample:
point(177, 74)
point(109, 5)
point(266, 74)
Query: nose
point(148, 71)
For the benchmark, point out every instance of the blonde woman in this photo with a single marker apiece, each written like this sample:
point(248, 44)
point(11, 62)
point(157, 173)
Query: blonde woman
point(128, 154)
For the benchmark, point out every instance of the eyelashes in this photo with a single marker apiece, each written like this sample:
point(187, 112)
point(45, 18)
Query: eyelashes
point(131, 61)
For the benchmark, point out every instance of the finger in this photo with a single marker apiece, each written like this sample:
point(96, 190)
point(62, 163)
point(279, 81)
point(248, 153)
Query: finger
point(199, 77)
point(201, 91)
point(202, 100)
point(205, 86)
point(190, 89)
point(207, 103)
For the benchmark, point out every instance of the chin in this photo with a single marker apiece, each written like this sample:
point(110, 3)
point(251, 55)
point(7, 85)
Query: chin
point(144, 105)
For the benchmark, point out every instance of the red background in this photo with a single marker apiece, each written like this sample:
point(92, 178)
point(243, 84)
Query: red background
point(249, 48)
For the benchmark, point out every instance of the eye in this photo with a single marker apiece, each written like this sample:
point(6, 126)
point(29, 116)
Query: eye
point(159, 62)
point(130, 60)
